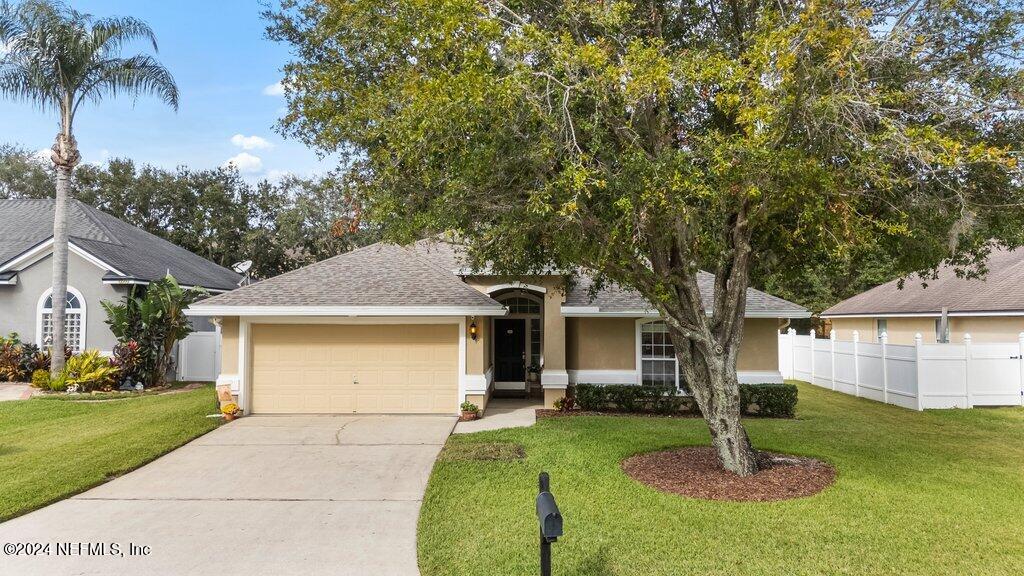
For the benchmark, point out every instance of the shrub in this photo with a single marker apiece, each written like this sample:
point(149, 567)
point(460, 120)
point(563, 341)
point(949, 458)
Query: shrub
point(468, 406)
point(156, 322)
point(128, 359)
point(565, 403)
point(41, 379)
point(10, 362)
point(770, 400)
point(86, 372)
point(32, 358)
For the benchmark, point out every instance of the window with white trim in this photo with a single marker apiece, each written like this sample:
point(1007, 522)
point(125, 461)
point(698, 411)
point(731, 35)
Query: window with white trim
point(74, 315)
point(881, 327)
point(658, 362)
point(521, 305)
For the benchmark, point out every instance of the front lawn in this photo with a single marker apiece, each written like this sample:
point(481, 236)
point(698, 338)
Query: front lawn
point(52, 450)
point(939, 492)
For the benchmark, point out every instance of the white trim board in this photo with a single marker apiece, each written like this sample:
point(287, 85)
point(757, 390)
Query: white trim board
point(200, 310)
point(45, 248)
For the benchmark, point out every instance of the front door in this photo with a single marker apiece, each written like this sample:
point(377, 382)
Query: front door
point(510, 350)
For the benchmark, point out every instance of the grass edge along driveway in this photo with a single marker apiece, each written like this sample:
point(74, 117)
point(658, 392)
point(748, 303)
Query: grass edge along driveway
point(932, 493)
point(52, 450)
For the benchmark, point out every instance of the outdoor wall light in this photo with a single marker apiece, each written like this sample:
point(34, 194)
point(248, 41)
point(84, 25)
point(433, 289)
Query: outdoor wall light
point(472, 330)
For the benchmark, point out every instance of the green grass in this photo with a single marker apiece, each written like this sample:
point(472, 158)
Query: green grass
point(52, 450)
point(933, 493)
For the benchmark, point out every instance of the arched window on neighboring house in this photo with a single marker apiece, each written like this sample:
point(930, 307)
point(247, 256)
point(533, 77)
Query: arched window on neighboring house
point(74, 320)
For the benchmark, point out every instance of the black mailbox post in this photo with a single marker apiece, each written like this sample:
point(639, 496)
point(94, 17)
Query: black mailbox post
point(550, 521)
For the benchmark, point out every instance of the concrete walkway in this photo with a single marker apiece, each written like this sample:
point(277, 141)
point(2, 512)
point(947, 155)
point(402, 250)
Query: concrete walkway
point(9, 391)
point(503, 413)
point(284, 495)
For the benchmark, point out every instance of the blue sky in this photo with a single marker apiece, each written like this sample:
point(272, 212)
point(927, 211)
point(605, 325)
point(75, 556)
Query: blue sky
point(222, 63)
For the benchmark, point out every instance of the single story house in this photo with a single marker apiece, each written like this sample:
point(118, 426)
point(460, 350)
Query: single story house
point(391, 329)
point(106, 257)
point(990, 309)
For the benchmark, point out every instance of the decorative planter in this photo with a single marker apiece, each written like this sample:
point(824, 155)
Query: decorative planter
point(468, 416)
point(230, 417)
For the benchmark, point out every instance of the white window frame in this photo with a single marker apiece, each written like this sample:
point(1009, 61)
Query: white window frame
point(640, 357)
point(881, 327)
point(81, 311)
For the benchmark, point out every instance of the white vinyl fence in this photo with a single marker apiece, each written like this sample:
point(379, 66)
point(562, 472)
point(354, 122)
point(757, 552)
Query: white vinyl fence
point(199, 357)
point(921, 376)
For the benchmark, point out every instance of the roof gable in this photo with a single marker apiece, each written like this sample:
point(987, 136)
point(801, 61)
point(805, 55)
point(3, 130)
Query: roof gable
point(133, 253)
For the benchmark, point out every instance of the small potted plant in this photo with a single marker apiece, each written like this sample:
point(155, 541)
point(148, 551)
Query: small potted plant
point(230, 411)
point(470, 411)
point(533, 373)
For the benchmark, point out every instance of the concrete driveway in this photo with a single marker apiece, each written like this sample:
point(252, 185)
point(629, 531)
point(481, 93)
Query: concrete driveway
point(272, 495)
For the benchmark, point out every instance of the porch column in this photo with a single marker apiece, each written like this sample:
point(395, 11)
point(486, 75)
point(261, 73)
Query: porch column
point(554, 378)
point(478, 377)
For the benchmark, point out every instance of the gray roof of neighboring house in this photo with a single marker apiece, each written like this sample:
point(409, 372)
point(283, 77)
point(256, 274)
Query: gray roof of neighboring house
point(135, 253)
point(612, 298)
point(377, 275)
point(1002, 290)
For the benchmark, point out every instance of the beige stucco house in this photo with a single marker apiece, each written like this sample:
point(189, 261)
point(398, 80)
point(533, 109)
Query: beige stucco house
point(389, 329)
point(944, 309)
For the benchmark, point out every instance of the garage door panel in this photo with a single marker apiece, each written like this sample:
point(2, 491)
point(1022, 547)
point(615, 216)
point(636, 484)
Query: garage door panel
point(355, 368)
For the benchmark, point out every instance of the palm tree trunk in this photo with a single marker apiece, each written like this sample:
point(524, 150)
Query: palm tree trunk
point(60, 267)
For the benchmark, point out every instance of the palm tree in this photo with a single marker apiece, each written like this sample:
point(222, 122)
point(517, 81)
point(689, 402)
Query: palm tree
point(58, 59)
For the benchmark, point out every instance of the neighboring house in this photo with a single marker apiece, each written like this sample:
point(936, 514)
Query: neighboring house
point(106, 257)
point(389, 329)
point(989, 309)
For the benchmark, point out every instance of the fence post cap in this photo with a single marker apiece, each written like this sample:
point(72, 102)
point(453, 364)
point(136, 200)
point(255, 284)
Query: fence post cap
point(917, 338)
point(813, 333)
point(856, 335)
point(832, 335)
point(967, 337)
point(884, 337)
point(792, 331)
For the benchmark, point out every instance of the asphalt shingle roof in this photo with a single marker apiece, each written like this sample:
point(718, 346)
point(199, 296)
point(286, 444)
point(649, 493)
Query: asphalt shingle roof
point(377, 275)
point(135, 253)
point(613, 298)
point(1002, 290)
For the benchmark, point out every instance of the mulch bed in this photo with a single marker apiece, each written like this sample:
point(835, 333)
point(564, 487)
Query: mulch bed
point(695, 472)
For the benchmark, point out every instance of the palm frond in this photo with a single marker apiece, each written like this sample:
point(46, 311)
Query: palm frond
point(136, 75)
point(109, 35)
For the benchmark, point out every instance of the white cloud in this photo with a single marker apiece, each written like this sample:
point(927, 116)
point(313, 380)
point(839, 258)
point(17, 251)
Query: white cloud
point(245, 162)
point(275, 89)
point(44, 155)
point(250, 142)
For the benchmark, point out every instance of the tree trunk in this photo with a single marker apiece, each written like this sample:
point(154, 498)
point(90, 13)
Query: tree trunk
point(720, 405)
point(60, 268)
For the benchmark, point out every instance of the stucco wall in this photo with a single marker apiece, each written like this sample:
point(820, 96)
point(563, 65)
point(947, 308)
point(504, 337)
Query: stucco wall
point(610, 344)
point(601, 343)
point(19, 303)
point(986, 328)
point(903, 330)
point(478, 352)
point(760, 347)
point(229, 345)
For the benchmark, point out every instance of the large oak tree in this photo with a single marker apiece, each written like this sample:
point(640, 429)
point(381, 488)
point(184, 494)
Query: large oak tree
point(645, 140)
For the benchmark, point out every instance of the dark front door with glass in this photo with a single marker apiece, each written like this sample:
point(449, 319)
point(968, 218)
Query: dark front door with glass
point(509, 350)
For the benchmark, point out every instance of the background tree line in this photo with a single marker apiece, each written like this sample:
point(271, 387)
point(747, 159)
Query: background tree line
point(215, 213)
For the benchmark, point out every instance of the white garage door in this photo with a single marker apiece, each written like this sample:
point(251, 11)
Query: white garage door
point(329, 368)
